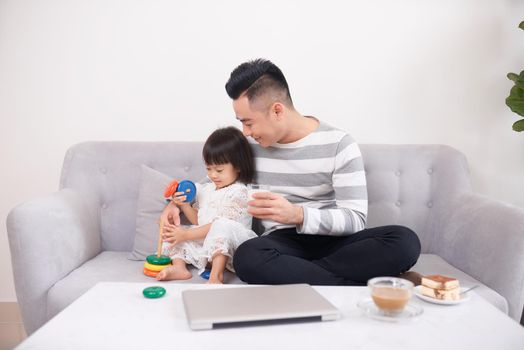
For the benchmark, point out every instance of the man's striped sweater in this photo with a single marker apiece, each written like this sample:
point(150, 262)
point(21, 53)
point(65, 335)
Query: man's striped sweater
point(322, 172)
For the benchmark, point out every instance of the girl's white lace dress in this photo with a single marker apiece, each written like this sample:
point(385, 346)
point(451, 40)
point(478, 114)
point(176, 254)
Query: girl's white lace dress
point(226, 209)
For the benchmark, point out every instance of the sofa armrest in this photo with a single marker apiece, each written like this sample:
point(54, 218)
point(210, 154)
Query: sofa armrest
point(484, 238)
point(49, 237)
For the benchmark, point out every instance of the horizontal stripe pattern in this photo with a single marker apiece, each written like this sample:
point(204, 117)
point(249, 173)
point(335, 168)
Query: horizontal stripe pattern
point(356, 178)
point(297, 180)
point(295, 166)
point(323, 173)
point(306, 152)
point(316, 138)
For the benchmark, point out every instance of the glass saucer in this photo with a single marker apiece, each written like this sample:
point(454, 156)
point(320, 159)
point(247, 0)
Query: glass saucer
point(410, 311)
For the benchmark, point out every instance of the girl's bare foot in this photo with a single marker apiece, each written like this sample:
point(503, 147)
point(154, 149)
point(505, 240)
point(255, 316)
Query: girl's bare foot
point(218, 265)
point(174, 273)
point(216, 278)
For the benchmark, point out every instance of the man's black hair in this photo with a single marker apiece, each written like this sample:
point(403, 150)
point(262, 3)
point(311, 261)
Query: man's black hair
point(229, 145)
point(256, 78)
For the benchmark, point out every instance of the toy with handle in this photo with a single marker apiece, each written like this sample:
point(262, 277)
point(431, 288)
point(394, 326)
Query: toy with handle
point(185, 186)
point(171, 189)
point(156, 263)
point(159, 244)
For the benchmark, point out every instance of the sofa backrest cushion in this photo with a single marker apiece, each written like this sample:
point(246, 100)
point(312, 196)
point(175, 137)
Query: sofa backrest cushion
point(411, 185)
point(109, 172)
point(406, 183)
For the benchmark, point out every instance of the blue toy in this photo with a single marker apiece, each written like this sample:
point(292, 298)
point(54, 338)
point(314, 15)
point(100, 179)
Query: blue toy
point(186, 186)
point(205, 274)
point(189, 189)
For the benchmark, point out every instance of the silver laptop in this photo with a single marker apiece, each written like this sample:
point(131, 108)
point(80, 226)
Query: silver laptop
point(255, 305)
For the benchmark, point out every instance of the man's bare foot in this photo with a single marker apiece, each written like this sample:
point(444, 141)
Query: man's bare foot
point(174, 273)
point(216, 279)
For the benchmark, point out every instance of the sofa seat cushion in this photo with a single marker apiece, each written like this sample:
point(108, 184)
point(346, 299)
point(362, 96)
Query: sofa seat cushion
point(108, 266)
point(430, 264)
point(112, 266)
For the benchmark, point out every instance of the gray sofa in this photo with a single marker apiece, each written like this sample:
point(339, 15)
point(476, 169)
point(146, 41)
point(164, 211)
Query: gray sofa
point(63, 244)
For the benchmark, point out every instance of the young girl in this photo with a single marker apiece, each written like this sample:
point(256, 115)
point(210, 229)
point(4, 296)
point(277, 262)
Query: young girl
point(220, 211)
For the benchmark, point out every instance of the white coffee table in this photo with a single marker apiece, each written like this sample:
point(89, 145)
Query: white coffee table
point(117, 316)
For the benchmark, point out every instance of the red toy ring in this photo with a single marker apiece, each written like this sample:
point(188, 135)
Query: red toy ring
point(150, 273)
point(171, 189)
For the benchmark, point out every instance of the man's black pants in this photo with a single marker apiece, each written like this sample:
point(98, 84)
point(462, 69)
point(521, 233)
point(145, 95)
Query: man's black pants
point(285, 256)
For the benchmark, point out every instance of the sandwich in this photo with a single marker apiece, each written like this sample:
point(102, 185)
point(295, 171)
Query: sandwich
point(441, 287)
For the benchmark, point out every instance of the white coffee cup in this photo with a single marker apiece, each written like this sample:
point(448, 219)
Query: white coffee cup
point(256, 188)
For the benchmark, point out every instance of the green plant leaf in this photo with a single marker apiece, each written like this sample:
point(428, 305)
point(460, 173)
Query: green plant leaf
point(515, 100)
point(515, 106)
point(518, 79)
point(519, 125)
point(512, 76)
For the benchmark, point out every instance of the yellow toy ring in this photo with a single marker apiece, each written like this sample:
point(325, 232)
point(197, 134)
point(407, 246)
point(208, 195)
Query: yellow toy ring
point(155, 268)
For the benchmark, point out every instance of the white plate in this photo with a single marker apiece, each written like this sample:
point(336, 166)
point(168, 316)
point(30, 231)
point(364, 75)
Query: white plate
point(410, 311)
point(463, 297)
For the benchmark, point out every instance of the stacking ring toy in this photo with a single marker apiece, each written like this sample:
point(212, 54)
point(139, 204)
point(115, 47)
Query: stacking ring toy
point(150, 273)
point(154, 292)
point(154, 264)
point(158, 260)
point(155, 268)
point(189, 189)
point(171, 189)
point(185, 186)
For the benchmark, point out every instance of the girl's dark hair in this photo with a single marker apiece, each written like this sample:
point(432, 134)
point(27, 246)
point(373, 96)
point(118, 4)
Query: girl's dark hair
point(229, 145)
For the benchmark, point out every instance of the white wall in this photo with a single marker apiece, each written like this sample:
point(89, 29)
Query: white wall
point(386, 71)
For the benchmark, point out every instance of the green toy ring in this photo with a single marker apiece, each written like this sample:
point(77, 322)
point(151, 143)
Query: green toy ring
point(154, 292)
point(158, 260)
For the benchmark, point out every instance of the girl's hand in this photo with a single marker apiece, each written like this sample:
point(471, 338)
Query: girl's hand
point(179, 198)
point(173, 234)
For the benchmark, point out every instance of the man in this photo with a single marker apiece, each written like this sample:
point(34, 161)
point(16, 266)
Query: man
point(314, 217)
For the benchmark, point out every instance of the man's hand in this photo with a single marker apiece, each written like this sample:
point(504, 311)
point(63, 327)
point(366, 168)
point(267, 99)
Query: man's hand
point(271, 206)
point(171, 214)
point(173, 234)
